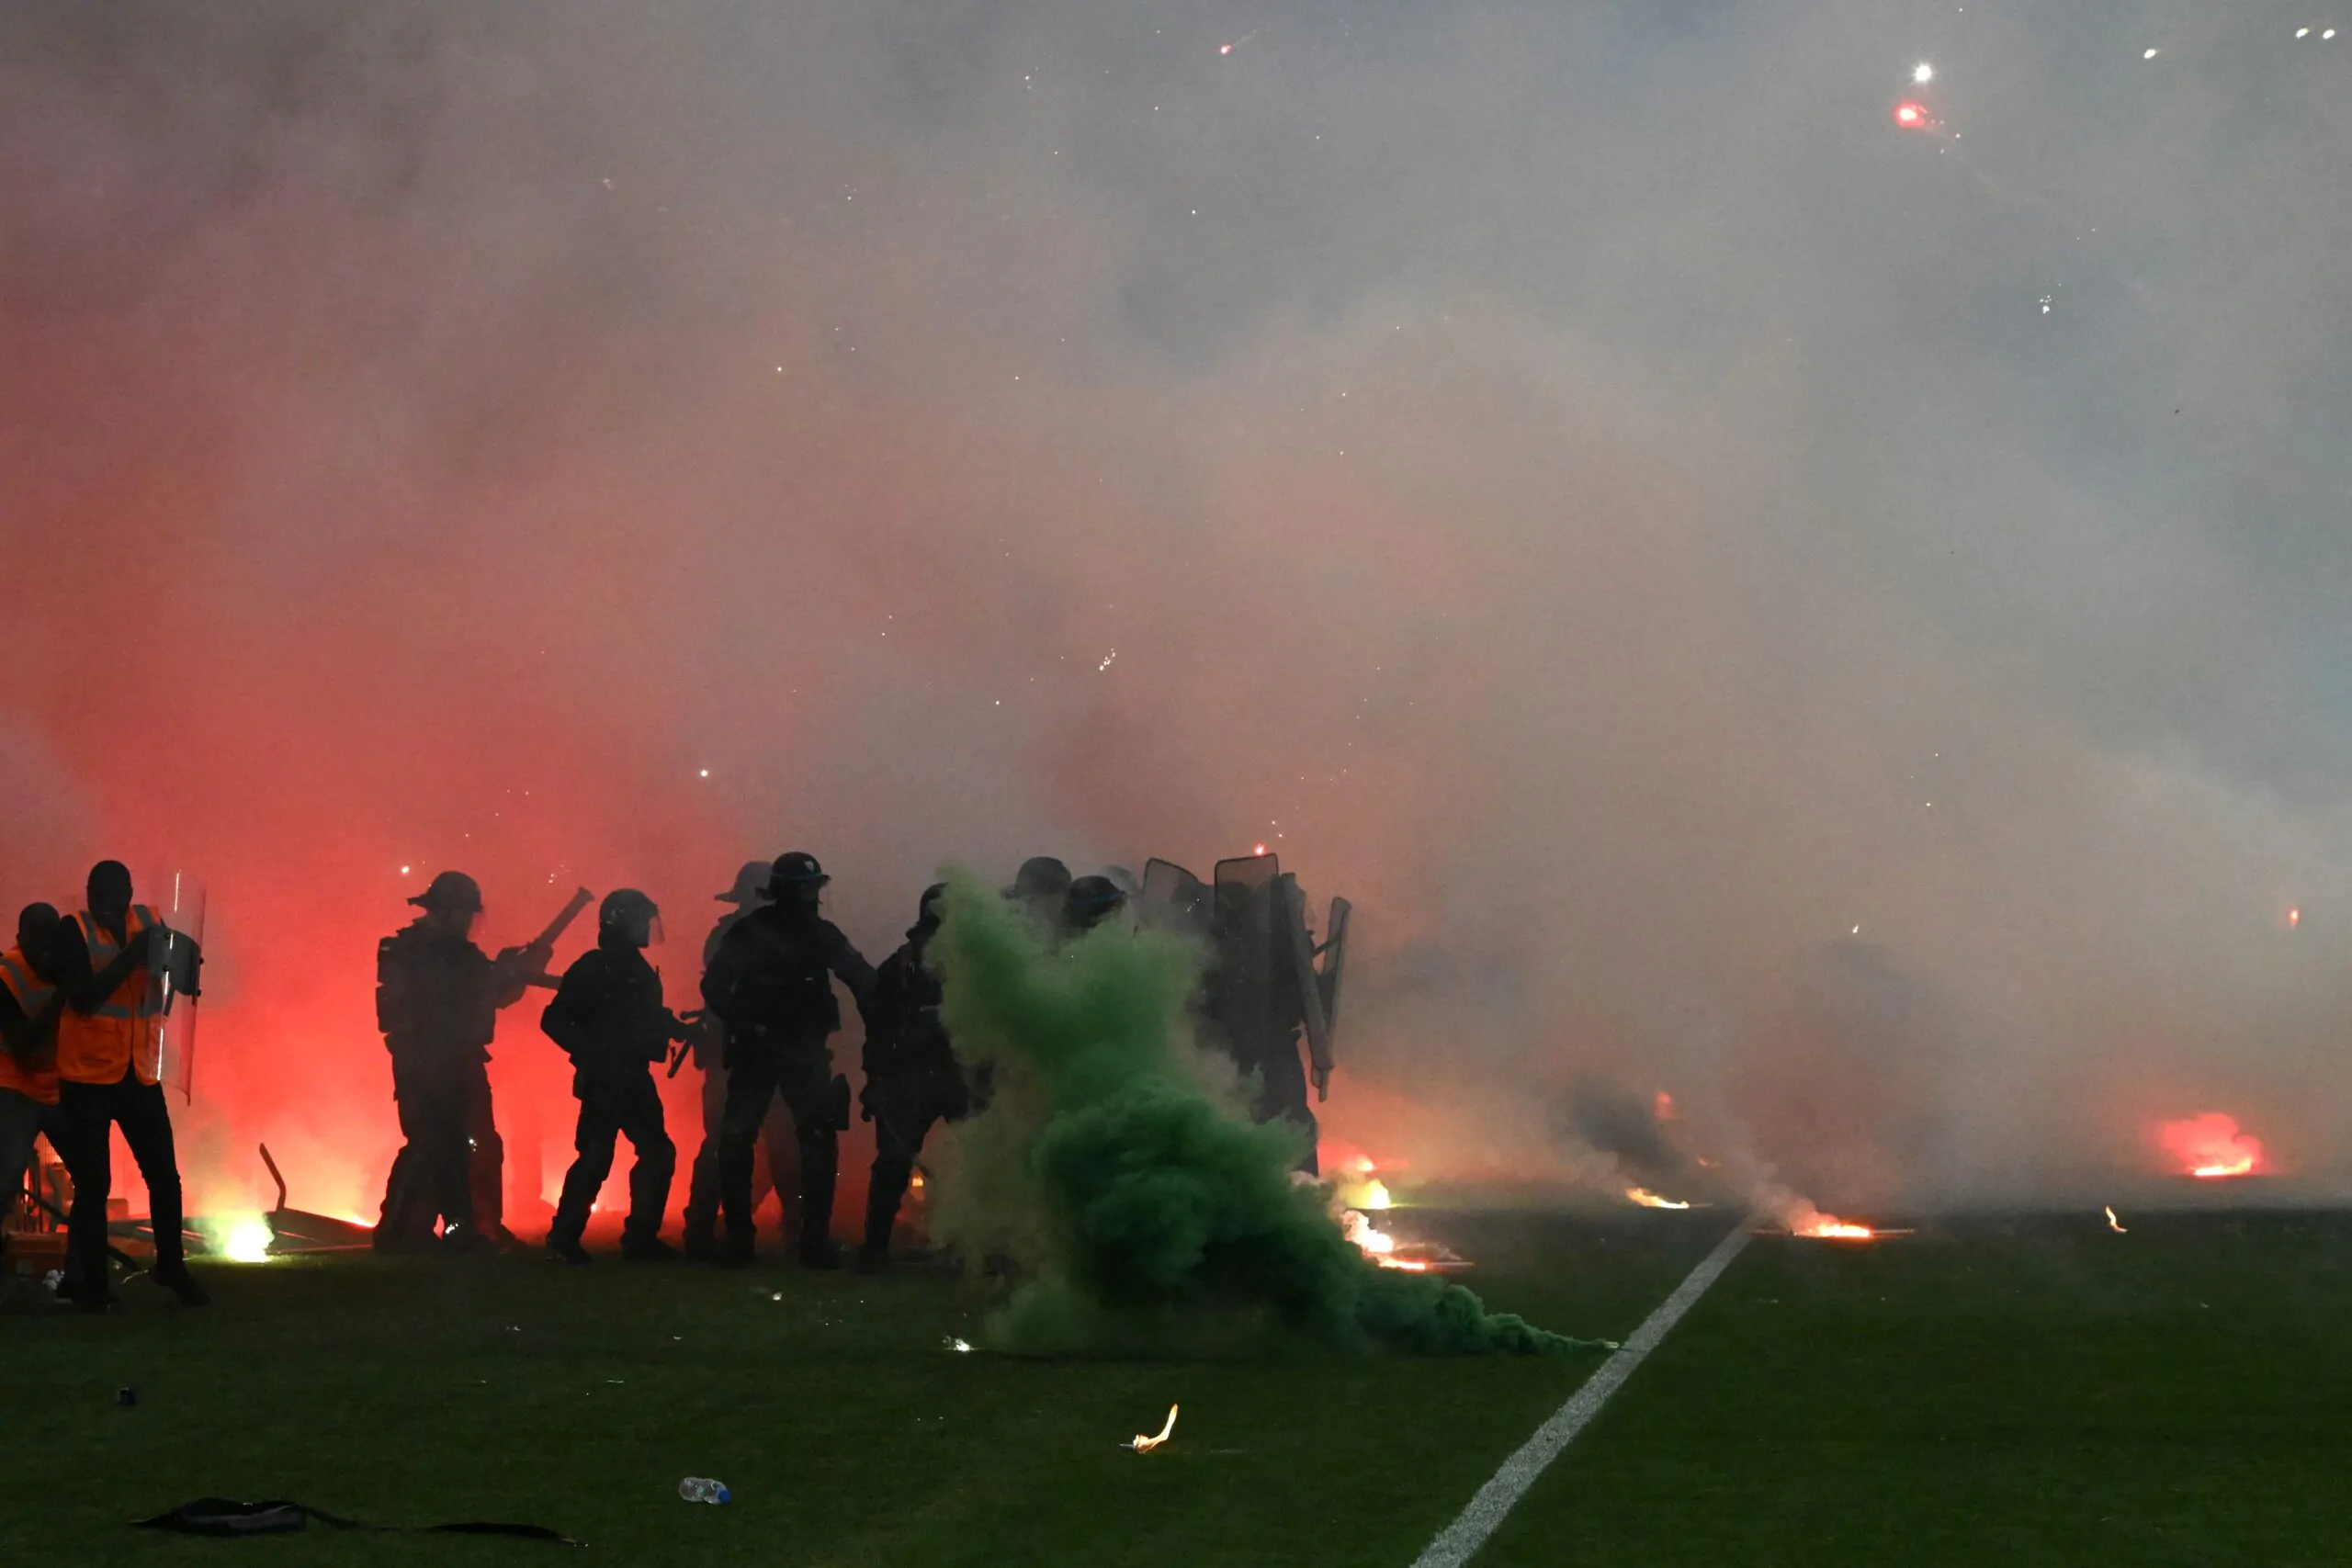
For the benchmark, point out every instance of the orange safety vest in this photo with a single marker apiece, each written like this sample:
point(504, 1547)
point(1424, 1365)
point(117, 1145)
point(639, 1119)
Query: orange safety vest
point(128, 1030)
point(32, 994)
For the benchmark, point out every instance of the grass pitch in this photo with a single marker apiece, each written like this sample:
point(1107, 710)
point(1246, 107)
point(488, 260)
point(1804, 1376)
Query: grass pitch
point(2035, 1391)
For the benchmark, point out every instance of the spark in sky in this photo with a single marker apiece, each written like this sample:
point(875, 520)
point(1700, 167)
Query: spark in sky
point(1923, 71)
point(1237, 43)
point(1912, 116)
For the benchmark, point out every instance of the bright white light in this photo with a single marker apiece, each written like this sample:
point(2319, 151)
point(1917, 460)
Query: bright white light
point(403, 871)
point(1923, 71)
point(2302, 32)
point(2330, 33)
point(705, 773)
point(2151, 54)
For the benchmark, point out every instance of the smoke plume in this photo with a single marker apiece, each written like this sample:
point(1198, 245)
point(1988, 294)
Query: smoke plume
point(1838, 622)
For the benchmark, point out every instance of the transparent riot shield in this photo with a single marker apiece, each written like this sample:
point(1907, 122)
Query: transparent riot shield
point(1294, 959)
point(1241, 939)
point(182, 905)
point(1172, 899)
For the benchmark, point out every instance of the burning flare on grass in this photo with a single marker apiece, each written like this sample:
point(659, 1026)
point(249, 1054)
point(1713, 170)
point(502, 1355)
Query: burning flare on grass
point(1649, 1200)
point(2112, 1223)
point(1374, 1244)
point(1805, 1220)
point(2210, 1146)
point(240, 1238)
point(1144, 1445)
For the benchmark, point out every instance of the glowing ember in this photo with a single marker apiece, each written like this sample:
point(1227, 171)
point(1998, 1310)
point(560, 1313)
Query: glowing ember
point(1664, 1106)
point(2112, 1223)
point(2210, 1146)
point(1911, 115)
point(1144, 1445)
point(1649, 1200)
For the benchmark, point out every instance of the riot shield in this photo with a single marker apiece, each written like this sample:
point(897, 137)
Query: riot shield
point(182, 908)
point(1241, 936)
point(1172, 899)
point(1295, 950)
point(1334, 953)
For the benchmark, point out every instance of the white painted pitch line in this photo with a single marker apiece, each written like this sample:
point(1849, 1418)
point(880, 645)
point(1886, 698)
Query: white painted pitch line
point(1459, 1541)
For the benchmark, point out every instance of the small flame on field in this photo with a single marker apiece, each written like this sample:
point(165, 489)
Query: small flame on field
point(1663, 1106)
point(1144, 1445)
point(1805, 1220)
point(1649, 1200)
point(2210, 1146)
point(1374, 1244)
point(2112, 1223)
point(240, 1238)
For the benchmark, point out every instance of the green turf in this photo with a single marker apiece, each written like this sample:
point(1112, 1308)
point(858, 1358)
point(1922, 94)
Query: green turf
point(415, 1392)
point(2035, 1391)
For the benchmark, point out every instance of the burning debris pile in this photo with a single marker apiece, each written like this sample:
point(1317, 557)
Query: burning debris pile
point(1114, 1173)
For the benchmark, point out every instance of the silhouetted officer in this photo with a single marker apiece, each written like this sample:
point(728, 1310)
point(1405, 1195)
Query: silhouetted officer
point(912, 1080)
point(783, 1172)
point(438, 997)
point(609, 1017)
point(771, 985)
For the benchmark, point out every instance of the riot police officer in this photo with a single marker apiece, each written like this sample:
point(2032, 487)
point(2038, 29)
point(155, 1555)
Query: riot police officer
point(609, 1017)
point(709, 1049)
point(912, 1080)
point(438, 997)
point(771, 984)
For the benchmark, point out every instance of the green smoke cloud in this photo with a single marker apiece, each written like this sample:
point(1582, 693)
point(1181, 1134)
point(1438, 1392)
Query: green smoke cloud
point(1116, 1167)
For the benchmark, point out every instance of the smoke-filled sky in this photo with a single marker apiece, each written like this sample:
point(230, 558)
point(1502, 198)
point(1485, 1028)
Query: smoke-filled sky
point(1837, 620)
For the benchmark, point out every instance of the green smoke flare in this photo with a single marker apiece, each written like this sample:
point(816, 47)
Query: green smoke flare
point(1142, 1206)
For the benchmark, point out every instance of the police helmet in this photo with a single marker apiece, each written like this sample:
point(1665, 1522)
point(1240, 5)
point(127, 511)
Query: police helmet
point(1040, 876)
point(631, 914)
point(1092, 901)
point(453, 891)
point(796, 872)
point(751, 885)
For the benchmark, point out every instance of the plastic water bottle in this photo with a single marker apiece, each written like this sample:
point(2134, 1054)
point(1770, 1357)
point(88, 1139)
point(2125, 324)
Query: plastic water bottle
point(702, 1489)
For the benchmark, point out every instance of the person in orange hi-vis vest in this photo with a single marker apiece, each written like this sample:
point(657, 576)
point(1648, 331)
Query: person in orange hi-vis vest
point(29, 1005)
point(109, 1064)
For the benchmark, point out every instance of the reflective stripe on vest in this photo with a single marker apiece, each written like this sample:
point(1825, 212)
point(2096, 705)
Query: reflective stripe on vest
point(127, 1030)
point(32, 995)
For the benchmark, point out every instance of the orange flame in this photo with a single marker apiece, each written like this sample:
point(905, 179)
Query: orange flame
point(1805, 1220)
point(1649, 1200)
point(2210, 1146)
point(1144, 1445)
point(2112, 1223)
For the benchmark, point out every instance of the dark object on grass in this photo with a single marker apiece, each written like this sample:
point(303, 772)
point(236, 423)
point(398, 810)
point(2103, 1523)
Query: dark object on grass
point(226, 1516)
point(126, 1396)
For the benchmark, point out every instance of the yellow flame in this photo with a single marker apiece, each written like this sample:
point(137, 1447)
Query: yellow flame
point(1376, 1196)
point(2112, 1223)
point(1359, 1230)
point(1649, 1200)
point(1807, 1220)
point(1144, 1445)
point(241, 1238)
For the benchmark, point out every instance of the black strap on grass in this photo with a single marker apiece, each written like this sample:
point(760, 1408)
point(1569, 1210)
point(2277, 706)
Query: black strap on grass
point(227, 1516)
